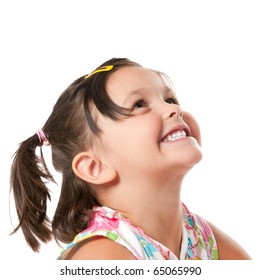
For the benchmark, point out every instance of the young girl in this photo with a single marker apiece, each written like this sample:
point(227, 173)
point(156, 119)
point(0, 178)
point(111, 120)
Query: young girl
point(123, 146)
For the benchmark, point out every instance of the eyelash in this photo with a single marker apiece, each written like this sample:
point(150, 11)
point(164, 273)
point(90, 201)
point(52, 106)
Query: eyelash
point(141, 103)
point(138, 104)
point(172, 99)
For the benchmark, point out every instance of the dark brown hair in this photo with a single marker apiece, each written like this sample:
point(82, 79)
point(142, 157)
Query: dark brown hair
point(70, 128)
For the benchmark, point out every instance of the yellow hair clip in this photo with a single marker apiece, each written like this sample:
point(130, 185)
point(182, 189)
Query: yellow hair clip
point(101, 69)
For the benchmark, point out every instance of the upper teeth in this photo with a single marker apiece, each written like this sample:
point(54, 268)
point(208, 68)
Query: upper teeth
point(175, 135)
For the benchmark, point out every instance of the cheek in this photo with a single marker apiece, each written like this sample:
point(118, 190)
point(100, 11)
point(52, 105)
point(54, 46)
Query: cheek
point(130, 138)
point(193, 125)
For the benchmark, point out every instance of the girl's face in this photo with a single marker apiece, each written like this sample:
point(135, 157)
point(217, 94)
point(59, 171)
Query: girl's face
point(155, 139)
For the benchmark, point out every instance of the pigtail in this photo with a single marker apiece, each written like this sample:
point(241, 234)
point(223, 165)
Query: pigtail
point(73, 210)
point(29, 176)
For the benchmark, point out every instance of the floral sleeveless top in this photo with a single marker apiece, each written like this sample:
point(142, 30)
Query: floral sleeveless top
point(198, 241)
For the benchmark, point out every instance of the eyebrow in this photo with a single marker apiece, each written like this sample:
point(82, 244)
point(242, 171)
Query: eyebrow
point(132, 93)
point(165, 89)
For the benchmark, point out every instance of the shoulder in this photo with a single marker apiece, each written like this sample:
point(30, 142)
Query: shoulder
point(228, 248)
point(99, 248)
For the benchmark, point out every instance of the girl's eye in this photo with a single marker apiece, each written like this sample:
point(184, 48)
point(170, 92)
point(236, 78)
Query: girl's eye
point(171, 101)
point(138, 104)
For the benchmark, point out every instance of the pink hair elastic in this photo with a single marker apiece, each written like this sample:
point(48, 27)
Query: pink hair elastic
point(43, 140)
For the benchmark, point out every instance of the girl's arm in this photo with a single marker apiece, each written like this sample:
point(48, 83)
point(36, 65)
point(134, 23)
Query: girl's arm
point(228, 248)
point(99, 248)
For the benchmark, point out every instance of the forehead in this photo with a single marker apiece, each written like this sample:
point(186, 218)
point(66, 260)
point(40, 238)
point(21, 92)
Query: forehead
point(131, 79)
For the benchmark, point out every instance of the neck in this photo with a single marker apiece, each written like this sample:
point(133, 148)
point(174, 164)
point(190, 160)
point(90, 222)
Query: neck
point(155, 208)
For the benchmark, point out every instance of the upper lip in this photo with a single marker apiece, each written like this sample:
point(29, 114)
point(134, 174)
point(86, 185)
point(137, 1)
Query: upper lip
point(178, 127)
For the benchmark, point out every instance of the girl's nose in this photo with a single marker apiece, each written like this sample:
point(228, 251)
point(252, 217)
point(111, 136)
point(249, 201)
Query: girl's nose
point(172, 110)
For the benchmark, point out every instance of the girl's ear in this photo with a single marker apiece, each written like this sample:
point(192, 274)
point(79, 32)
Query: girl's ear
point(193, 125)
point(88, 168)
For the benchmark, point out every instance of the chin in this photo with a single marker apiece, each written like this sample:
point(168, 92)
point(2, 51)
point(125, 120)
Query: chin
point(190, 158)
point(195, 156)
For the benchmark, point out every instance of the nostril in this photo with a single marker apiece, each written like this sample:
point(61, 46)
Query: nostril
point(172, 114)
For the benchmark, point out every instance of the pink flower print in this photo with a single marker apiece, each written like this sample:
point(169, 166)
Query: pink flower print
point(205, 231)
point(99, 220)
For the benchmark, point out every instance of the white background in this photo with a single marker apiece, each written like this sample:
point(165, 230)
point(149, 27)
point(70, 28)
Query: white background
point(210, 49)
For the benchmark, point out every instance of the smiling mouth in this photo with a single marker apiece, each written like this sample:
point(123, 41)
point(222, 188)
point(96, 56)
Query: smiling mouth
point(175, 135)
